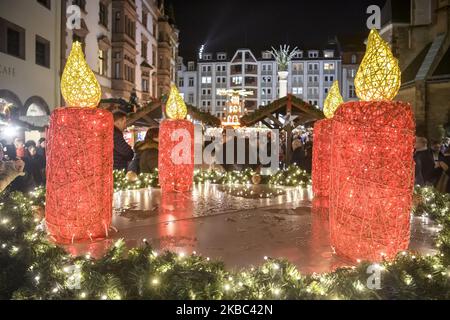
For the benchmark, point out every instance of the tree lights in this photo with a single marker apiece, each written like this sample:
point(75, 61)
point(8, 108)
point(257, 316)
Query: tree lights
point(79, 158)
point(373, 168)
point(32, 268)
point(176, 147)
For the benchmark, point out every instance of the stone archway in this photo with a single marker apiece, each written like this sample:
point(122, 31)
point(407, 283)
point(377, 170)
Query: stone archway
point(35, 107)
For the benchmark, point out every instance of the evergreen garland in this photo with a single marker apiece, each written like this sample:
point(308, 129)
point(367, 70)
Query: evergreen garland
point(33, 268)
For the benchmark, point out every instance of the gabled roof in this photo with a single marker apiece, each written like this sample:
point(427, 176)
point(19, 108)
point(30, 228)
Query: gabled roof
point(305, 112)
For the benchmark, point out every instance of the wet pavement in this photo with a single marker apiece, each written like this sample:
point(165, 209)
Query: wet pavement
point(236, 225)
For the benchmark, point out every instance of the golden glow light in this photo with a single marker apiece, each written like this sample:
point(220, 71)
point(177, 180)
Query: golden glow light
point(333, 100)
point(176, 108)
point(79, 86)
point(379, 76)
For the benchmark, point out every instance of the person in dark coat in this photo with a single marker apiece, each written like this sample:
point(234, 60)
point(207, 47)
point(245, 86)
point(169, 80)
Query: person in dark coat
point(146, 153)
point(426, 170)
point(298, 153)
point(34, 165)
point(123, 153)
point(308, 157)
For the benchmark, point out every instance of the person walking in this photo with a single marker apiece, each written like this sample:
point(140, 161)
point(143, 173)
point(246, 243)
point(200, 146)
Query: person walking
point(123, 153)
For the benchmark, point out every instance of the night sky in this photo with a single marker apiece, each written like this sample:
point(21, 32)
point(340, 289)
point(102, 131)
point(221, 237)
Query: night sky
point(260, 24)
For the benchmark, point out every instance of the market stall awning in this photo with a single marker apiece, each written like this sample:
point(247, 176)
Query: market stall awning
point(300, 112)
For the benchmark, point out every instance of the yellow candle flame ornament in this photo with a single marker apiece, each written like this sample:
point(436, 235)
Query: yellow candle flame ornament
point(175, 107)
point(379, 76)
point(333, 100)
point(79, 86)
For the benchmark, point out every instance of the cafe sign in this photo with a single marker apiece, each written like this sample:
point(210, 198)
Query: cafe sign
point(7, 71)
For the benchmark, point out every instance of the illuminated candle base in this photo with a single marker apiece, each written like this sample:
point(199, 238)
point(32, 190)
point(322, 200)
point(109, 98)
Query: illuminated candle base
point(176, 155)
point(372, 179)
point(79, 174)
point(321, 161)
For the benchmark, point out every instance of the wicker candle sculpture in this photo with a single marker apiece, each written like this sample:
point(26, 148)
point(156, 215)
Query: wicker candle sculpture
point(372, 176)
point(79, 158)
point(176, 147)
point(322, 148)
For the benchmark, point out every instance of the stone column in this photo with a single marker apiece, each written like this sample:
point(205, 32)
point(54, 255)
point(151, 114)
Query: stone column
point(283, 76)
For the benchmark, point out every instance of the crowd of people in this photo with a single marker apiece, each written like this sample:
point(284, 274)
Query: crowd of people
point(22, 164)
point(433, 164)
point(143, 158)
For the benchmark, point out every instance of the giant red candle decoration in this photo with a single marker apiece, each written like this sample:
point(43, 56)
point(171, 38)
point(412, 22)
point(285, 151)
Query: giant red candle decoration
point(79, 158)
point(176, 147)
point(372, 158)
point(322, 148)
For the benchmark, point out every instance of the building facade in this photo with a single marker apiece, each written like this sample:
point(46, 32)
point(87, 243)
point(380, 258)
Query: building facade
point(188, 81)
point(419, 34)
point(168, 42)
point(311, 74)
point(30, 57)
point(120, 44)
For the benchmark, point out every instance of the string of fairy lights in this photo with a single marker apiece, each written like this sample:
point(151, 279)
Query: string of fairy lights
point(293, 176)
point(34, 268)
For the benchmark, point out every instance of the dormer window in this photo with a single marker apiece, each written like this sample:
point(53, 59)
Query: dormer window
point(298, 55)
point(313, 54)
point(328, 54)
point(266, 55)
point(221, 56)
point(207, 57)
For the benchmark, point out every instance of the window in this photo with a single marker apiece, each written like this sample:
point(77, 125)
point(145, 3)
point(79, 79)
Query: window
point(129, 73)
point(269, 91)
point(267, 55)
point(42, 52)
point(353, 58)
point(351, 91)
point(297, 67)
point(328, 54)
point(297, 90)
point(12, 39)
point(117, 17)
point(313, 54)
point(206, 80)
point(102, 62)
point(145, 85)
point(191, 82)
point(297, 79)
point(191, 98)
point(103, 14)
point(326, 90)
point(331, 78)
point(329, 66)
point(45, 3)
point(144, 49)
point(144, 19)
point(117, 70)
point(313, 67)
point(221, 56)
point(236, 80)
point(266, 67)
point(181, 82)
